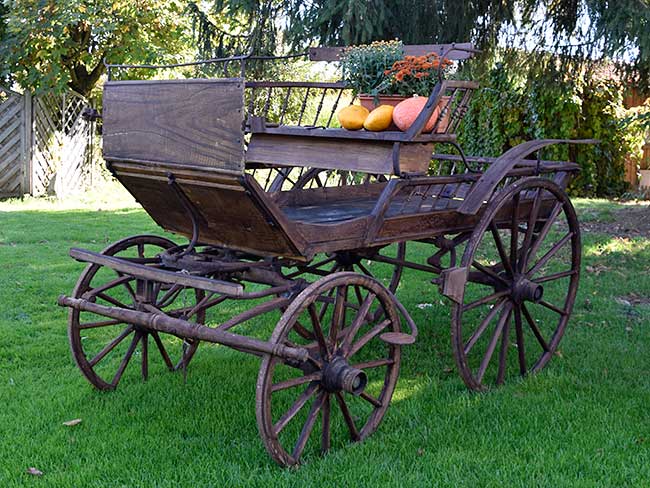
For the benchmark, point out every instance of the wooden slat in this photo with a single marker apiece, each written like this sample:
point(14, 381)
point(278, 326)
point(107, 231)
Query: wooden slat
point(11, 147)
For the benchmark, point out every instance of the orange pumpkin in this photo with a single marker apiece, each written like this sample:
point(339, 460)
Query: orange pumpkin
point(407, 111)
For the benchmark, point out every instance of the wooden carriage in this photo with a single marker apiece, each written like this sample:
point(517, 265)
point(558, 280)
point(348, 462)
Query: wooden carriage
point(318, 224)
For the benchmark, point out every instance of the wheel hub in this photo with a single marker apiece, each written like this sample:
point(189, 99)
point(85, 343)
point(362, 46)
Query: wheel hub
point(524, 290)
point(338, 375)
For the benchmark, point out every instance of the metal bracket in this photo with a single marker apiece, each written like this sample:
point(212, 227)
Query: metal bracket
point(452, 283)
point(189, 207)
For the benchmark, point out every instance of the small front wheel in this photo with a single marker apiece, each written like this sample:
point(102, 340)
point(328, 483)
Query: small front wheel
point(103, 348)
point(341, 320)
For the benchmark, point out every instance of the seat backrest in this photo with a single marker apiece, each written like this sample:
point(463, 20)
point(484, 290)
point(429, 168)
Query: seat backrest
point(187, 122)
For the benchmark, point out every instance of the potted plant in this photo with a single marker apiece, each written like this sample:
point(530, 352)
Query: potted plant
point(380, 74)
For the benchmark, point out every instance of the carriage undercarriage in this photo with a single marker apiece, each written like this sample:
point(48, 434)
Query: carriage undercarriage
point(322, 262)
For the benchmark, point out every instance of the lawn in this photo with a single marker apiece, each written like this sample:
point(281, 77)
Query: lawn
point(583, 421)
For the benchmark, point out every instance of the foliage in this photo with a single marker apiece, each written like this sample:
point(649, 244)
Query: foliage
point(517, 105)
point(58, 44)
point(580, 31)
point(365, 67)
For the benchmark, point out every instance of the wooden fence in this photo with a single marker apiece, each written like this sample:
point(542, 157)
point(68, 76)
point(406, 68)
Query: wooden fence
point(45, 144)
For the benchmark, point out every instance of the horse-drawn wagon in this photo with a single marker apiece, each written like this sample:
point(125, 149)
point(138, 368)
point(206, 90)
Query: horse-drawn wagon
point(316, 225)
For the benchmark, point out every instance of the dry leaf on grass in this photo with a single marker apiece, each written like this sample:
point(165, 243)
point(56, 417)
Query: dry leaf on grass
point(34, 472)
point(599, 268)
point(72, 423)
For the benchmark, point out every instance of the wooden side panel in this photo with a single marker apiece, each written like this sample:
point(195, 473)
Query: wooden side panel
point(365, 156)
point(197, 122)
point(374, 157)
point(231, 215)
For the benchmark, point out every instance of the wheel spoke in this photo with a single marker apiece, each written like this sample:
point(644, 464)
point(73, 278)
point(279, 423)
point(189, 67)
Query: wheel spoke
point(338, 317)
point(308, 427)
point(309, 392)
point(555, 276)
point(163, 351)
point(347, 416)
point(126, 359)
point(107, 286)
point(532, 220)
point(111, 300)
point(303, 332)
point(483, 325)
point(484, 300)
point(544, 231)
point(503, 353)
point(550, 306)
point(169, 296)
point(501, 249)
point(145, 356)
point(534, 328)
point(372, 400)
point(367, 337)
point(505, 315)
point(110, 346)
point(323, 307)
point(514, 232)
point(318, 331)
point(101, 323)
point(365, 270)
point(359, 320)
point(551, 252)
point(326, 434)
point(377, 363)
point(297, 381)
point(520, 342)
point(489, 272)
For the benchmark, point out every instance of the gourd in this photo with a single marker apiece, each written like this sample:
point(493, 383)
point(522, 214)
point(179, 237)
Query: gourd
point(379, 119)
point(407, 111)
point(352, 117)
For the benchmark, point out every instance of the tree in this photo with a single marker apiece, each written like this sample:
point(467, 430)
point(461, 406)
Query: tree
point(579, 30)
point(54, 44)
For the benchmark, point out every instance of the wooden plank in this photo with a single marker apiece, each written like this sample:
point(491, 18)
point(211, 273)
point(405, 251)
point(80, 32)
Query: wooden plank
point(27, 181)
point(196, 122)
point(366, 156)
point(333, 53)
point(155, 274)
point(365, 135)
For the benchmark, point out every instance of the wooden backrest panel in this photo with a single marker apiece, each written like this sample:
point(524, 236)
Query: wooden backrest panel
point(196, 122)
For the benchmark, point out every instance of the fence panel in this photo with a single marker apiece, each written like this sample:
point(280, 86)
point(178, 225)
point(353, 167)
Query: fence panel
point(12, 143)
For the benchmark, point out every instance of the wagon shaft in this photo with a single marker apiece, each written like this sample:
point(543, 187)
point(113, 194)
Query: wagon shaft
point(183, 328)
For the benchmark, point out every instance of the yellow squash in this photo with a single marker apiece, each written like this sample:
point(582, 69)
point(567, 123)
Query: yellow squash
point(352, 117)
point(379, 119)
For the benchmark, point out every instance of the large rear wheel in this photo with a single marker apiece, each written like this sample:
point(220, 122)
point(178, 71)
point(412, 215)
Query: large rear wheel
point(523, 265)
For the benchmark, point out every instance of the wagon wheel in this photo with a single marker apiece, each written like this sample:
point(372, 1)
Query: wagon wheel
point(103, 348)
point(523, 260)
point(349, 378)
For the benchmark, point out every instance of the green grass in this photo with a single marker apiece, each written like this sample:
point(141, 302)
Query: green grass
point(584, 421)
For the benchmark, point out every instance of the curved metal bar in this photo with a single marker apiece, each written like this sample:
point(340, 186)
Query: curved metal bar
point(482, 190)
